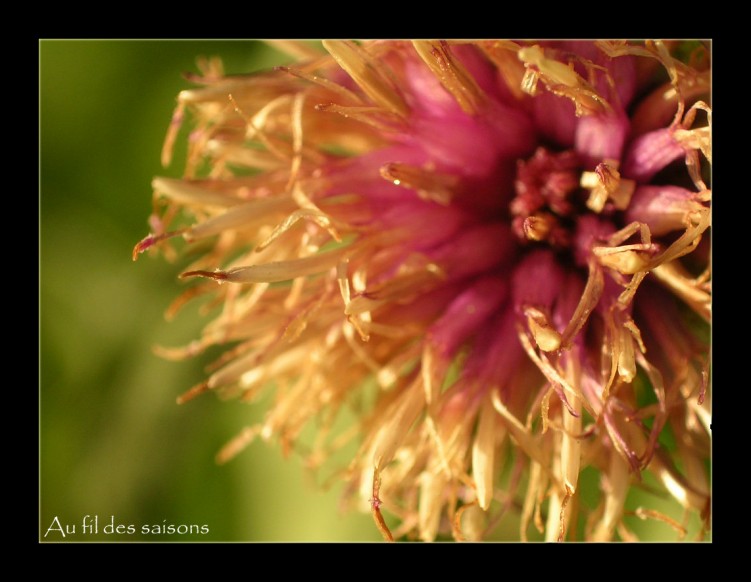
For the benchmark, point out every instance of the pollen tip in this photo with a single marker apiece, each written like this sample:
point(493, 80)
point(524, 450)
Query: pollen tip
point(143, 245)
point(150, 240)
point(536, 228)
point(548, 340)
point(546, 337)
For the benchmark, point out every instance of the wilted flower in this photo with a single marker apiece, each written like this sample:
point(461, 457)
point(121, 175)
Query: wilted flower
point(492, 251)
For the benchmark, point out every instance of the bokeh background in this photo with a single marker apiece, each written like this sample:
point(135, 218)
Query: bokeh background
point(113, 442)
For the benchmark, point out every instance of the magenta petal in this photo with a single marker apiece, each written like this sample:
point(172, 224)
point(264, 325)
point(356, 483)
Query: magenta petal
point(650, 153)
point(555, 118)
point(466, 314)
point(475, 251)
point(590, 230)
point(662, 208)
point(497, 352)
point(425, 307)
point(665, 331)
point(609, 299)
point(601, 137)
point(362, 174)
point(622, 70)
point(537, 280)
point(488, 195)
point(472, 145)
point(428, 224)
point(568, 300)
point(481, 70)
point(426, 90)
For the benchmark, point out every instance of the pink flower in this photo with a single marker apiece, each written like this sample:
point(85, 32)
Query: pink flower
point(455, 240)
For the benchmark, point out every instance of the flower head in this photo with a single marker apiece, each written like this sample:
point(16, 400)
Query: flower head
point(488, 250)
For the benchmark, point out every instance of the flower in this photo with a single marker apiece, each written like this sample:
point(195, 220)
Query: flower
point(490, 251)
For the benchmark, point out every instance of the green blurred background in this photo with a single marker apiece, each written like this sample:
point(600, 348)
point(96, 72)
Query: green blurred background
point(113, 441)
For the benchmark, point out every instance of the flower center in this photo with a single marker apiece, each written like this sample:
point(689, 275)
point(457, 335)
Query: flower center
point(546, 203)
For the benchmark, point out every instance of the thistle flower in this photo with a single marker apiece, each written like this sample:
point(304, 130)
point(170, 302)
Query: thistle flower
point(491, 251)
